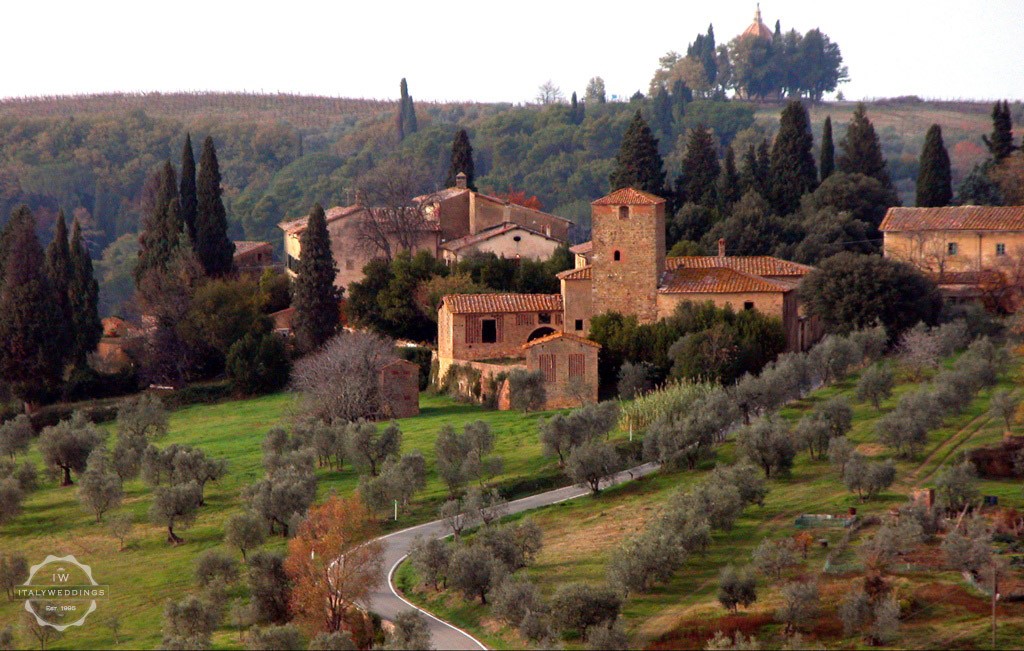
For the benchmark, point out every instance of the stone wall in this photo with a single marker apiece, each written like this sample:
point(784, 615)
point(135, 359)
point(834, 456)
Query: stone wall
point(577, 297)
point(400, 386)
point(570, 371)
point(628, 258)
point(975, 250)
point(513, 330)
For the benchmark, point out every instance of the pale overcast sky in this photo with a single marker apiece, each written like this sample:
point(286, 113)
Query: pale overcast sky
point(485, 51)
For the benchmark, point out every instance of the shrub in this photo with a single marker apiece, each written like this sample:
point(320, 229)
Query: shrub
point(514, 599)
point(274, 638)
point(258, 364)
point(526, 390)
point(215, 567)
point(580, 606)
point(475, 571)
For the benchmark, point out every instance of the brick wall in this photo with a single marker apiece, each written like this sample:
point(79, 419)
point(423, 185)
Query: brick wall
point(573, 366)
point(629, 284)
point(400, 386)
point(577, 297)
point(459, 335)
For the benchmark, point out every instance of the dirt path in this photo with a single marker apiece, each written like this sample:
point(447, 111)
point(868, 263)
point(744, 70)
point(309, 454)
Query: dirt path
point(947, 448)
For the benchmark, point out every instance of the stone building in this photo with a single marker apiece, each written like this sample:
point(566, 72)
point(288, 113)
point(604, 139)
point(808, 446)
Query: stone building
point(968, 250)
point(449, 224)
point(568, 365)
point(253, 257)
point(624, 268)
point(400, 389)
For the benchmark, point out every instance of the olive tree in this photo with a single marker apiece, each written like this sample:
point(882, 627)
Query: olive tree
point(369, 447)
point(15, 435)
point(591, 463)
point(875, 384)
point(99, 488)
point(66, 446)
point(736, 588)
point(245, 531)
point(767, 443)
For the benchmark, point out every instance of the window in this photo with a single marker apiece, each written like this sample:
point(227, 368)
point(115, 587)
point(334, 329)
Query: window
point(623, 212)
point(544, 318)
point(517, 238)
point(579, 324)
point(524, 319)
point(350, 265)
point(472, 330)
point(748, 305)
point(1000, 249)
point(547, 367)
point(293, 262)
point(577, 365)
point(489, 331)
point(617, 256)
point(952, 248)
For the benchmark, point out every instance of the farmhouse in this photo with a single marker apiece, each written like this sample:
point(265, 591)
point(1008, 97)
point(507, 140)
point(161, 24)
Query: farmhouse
point(450, 224)
point(623, 269)
point(253, 257)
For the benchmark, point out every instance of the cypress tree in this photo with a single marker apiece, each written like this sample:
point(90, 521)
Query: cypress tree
point(730, 188)
point(461, 161)
point(748, 170)
point(212, 245)
point(792, 171)
point(638, 164)
point(400, 116)
point(31, 359)
point(84, 294)
point(934, 181)
point(861, 152)
point(161, 230)
point(406, 112)
point(661, 115)
point(58, 272)
point(315, 297)
point(700, 171)
point(1000, 145)
point(763, 168)
point(575, 110)
point(187, 195)
point(827, 159)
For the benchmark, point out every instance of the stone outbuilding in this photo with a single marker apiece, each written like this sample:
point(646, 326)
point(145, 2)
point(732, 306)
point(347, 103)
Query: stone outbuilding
point(568, 364)
point(400, 389)
point(253, 257)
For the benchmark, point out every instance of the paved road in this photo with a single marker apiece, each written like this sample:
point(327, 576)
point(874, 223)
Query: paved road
point(385, 600)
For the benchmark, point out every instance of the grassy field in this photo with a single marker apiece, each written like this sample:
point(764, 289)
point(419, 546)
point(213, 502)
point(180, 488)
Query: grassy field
point(940, 609)
point(150, 571)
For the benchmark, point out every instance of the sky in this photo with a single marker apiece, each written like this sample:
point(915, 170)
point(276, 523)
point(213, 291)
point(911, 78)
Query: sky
point(485, 51)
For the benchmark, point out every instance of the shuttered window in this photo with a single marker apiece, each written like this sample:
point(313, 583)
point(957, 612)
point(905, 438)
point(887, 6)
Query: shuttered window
point(577, 365)
point(547, 367)
point(472, 329)
point(524, 319)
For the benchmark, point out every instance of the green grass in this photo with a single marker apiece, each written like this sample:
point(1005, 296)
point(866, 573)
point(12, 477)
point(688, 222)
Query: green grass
point(581, 536)
point(150, 571)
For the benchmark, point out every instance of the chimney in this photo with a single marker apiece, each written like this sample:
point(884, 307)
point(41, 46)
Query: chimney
point(460, 180)
point(721, 247)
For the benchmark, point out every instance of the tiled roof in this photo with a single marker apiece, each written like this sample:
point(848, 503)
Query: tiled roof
point(496, 303)
point(756, 265)
point(582, 273)
point(718, 280)
point(583, 248)
point(954, 218)
point(440, 195)
point(296, 226)
point(242, 247)
point(560, 335)
point(987, 276)
point(494, 231)
point(628, 197)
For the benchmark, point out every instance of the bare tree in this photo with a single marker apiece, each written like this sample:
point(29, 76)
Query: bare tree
point(341, 381)
point(549, 93)
point(397, 213)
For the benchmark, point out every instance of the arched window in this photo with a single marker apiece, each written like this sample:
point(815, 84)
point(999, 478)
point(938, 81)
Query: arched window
point(617, 256)
point(623, 212)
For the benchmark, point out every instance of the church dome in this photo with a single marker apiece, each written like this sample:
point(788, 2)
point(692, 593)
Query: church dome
point(757, 28)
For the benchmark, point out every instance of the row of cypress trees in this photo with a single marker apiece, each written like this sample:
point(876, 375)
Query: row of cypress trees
point(49, 317)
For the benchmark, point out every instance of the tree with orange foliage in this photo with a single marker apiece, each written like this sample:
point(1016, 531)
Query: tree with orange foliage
point(334, 562)
point(519, 198)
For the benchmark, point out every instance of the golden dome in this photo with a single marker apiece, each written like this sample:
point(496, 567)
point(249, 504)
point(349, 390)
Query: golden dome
point(757, 28)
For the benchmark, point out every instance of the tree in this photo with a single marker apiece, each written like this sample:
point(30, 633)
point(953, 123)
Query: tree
point(595, 93)
point(773, 557)
point(339, 641)
point(31, 359)
point(187, 191)
point(269, 587)
point(258, 364)
point(860, 151)
point(410, 633)
point(13, 572)
point(290, 489)
point(161, 231)
point(11, 496)
point(67, 445)
point(475, 571)
point(800, 603)
point(42, 633)
point(581, 606)
point(549, 93)
point(638, 164)
point(768, 444)
point(462, 161)
point(1004, 405)
point(826, 159)
point(99, 488)
point(1000, 144)
point(875, 384)
point(406, 117)
point(850, 292)
point(214, 567)
point(120, 526)
point(84, 297)
point(868, 478)
point(956, 487)
point(591, 463)
point(58, 271)
point(175, 506)
point(341, 382)
point(15, 435)
point(608, 637)
point(968, 548)
point(246, 531)
point(315, 297)
point(274, 638)
point(751, 229)
point(792, 171)
point(934, 179)
point(526, 390)
point(700, 169)
point(333, 562)
point(189, 623)
point(211, 243)
point(368, 448)
point(736, 588)
point(398, 481)
point(431, 558)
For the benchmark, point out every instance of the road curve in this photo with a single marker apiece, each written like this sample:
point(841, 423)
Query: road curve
point(385, 600)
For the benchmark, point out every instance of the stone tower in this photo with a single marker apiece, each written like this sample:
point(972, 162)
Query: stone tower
point(628, 256)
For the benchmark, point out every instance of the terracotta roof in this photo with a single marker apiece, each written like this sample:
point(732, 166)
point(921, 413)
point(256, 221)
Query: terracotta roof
point(719, 280)
point(496, 303)
point(440, 195)
point(954, 218)
point(243, 246)
point(756, 265)
point(628, 197)
point(560, 335)
point(581, 273)
point(968, 277)
point(337, 212)
point(582, 248)
point(494, 231)
point(758, 29)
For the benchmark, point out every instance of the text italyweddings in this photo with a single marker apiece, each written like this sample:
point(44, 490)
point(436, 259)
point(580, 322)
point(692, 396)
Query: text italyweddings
point(64, 591)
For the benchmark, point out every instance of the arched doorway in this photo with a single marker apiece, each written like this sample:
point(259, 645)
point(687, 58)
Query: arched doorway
point(540, 332)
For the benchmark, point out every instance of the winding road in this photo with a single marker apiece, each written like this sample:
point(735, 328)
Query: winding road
point(385, 599)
